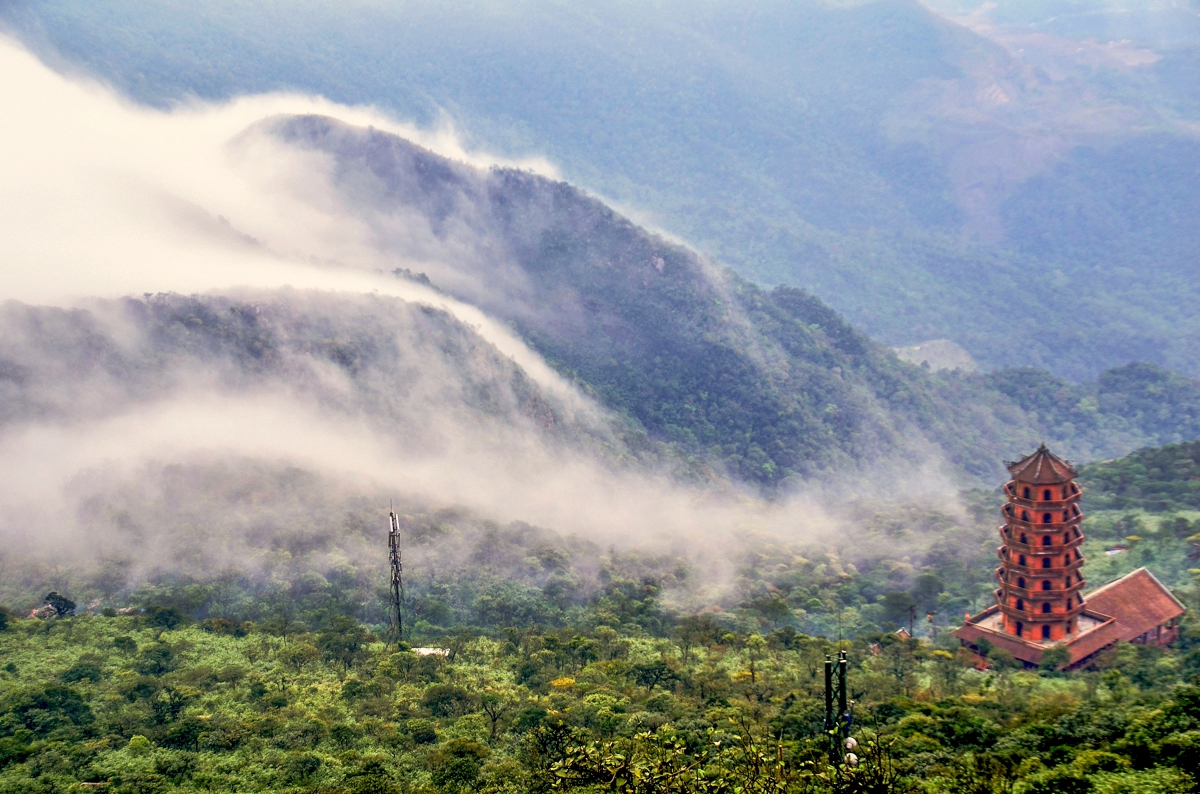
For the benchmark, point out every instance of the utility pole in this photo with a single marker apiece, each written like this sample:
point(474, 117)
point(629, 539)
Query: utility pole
point(396, 613)
point(838, 724)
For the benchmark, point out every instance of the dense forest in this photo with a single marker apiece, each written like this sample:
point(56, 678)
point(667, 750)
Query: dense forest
point(565, 666)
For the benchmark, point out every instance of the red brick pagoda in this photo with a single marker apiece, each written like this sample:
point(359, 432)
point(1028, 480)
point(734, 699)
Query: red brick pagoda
point(1040, 561)
point(1040, 600)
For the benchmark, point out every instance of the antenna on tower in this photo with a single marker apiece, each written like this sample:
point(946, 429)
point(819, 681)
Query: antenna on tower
point(396, 613)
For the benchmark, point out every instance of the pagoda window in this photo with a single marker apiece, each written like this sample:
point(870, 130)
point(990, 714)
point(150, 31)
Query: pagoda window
point(1045, 562)
point(1047, 496)
point(1045, 540)
point(1025, 493)
point(1045, 584)
point(1064, 492)
point(1024, 539)
point(1076, 531)
point(1066, 538)
point(1008, 509)
point(1021, 560)
point(1074, 488)
point(1068, 627)
point(1046, 608)
point(1066, 517)
point(1020, 581)
point(1020, 605)
point(1047, 518)
point(1045, 632)
point(1024, 515)
point(1020, 628)
point(1069, 602)
point(1075, 509)
point(1078, 556)
point(1068, 581)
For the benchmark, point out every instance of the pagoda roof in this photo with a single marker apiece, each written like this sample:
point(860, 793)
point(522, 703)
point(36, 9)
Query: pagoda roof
point(1042, 467)
point(1138, 600)
point(1123, 609)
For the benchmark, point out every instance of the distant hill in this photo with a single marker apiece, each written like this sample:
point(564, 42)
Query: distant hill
point(768, 384)
point(1156, 479)
point(1008, 179)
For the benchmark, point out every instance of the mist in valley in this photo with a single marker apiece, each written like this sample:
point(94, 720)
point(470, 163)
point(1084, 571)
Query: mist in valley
point(339, 352)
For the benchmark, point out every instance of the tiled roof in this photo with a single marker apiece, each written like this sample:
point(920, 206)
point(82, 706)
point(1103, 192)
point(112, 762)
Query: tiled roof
point(1021, 649)
point(1095, 640)
point(1138, 601)
point(1042, 467)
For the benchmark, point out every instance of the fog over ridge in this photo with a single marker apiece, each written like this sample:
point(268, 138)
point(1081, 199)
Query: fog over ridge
point(101, 199)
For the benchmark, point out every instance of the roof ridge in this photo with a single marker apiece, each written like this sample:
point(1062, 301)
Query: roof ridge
point(1166, 589)
point(1118, 580)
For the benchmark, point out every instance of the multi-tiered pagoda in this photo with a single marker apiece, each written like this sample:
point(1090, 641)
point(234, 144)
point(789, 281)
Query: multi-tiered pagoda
point(1040, 562)
point(1040, 600)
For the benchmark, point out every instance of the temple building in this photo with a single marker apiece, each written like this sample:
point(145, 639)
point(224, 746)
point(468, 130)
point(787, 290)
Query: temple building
point(1040, 600)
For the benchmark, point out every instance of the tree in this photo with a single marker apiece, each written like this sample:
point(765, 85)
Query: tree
point(651, 674)
point(447, 700)
point(343, 642)
point(897, 608)
point(156, 659)
point(298, 654)
point(455, 765)
point(495, 705)
point(62, 606)
point(1055, 658)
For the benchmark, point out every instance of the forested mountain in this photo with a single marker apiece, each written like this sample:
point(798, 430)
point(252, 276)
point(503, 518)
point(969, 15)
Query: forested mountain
point(769, 383)
point(1019, 178)
point(703, 372)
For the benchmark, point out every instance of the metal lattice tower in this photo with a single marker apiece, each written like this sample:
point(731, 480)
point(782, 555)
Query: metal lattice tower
point(396, 613)
point(838, 723)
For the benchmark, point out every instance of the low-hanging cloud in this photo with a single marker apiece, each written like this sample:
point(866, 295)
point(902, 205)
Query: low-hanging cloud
point(100, 198)
point(104, 198)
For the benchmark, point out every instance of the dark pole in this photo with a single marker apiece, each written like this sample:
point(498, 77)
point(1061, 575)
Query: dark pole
point(842, 710)
point(829, 723)
point(396, 614)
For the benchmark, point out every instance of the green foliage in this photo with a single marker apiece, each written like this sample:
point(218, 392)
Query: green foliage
point(1134, 404)
point(742, 713)
point(1162, 479)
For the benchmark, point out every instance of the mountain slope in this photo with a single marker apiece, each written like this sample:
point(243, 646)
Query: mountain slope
point(929, 178)
point(771, 384)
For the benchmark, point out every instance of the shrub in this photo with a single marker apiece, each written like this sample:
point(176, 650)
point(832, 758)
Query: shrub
point(421, 731)
point(447, 700)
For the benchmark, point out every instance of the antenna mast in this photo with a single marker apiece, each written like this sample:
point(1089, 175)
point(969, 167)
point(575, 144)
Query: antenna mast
point(396, 614)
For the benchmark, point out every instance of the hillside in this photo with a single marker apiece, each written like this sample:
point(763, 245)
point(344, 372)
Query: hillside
point(1162, 479)
point(927, 176)
point(772, 384)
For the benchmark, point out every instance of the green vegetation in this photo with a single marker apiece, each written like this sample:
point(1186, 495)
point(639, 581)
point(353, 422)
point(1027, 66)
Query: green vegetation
point(568, 667)
point(1158, 480)
point(151, 704)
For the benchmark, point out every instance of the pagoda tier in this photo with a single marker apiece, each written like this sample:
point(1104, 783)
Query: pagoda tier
point(1039, 576)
